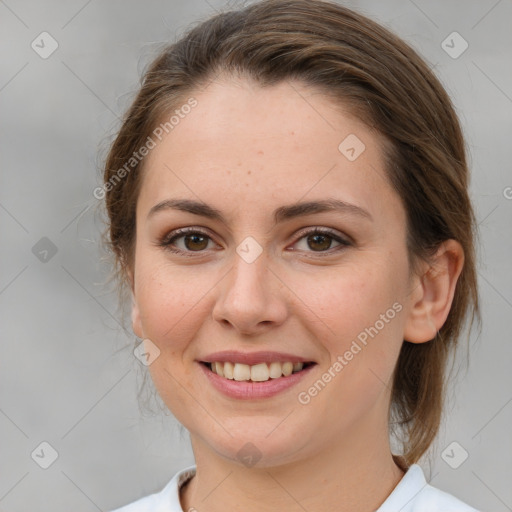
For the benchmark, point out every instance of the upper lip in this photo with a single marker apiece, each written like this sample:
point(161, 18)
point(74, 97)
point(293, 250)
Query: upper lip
point(252, 358)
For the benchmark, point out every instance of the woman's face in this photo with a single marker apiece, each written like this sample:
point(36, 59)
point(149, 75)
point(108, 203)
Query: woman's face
point(260, 274)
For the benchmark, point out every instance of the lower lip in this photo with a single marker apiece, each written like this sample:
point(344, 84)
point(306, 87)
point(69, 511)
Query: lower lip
point(247, 390)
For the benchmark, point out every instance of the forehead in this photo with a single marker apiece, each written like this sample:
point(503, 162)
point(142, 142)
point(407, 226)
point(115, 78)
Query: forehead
point(271, 145)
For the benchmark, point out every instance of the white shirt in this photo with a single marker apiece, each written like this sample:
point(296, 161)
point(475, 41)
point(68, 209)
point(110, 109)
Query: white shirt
point(412, 494)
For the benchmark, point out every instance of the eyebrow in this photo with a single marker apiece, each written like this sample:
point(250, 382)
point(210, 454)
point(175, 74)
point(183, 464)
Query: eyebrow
point(280, 214)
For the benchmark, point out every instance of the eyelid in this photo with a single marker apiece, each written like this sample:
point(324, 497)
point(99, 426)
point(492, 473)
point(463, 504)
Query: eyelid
point(166, 240)
point(337, 235)
point(175, 233)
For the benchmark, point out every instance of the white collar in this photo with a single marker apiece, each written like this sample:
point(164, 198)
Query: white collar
point(412, 494)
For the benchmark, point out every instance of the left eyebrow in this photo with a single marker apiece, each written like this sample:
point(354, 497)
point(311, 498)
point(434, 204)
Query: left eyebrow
point(280, 214)
point(328, 205)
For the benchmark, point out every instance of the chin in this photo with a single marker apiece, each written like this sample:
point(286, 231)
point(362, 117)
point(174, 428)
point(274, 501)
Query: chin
point(257, 448)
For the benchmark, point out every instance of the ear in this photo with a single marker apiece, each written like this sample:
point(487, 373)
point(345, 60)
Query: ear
point(433, 293)
point(136, 323)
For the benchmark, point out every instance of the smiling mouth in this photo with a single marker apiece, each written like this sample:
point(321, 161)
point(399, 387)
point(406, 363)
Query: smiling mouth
point(260, 372)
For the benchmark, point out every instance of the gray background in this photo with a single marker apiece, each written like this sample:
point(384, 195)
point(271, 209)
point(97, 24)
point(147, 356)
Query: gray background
point(64, 379)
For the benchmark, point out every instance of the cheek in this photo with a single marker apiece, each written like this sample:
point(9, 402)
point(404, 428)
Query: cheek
point(360, 308)
point(170, 299)
point(351, 298)
point(361, 331)
point(172, 305)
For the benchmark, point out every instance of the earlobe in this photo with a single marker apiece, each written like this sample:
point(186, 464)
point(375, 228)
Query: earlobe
point(130, 277)
point(433, 297)
point(136, 323)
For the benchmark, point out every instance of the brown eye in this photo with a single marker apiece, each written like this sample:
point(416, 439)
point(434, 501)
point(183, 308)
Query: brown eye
point(186, 241)
point(195, 242)
point(319, 242)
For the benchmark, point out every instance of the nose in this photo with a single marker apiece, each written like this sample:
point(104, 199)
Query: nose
point(251, 297)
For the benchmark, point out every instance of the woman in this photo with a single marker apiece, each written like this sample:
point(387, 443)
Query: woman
point(288, 205)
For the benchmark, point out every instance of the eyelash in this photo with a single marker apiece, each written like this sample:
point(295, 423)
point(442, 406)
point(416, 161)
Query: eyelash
point(167, 241)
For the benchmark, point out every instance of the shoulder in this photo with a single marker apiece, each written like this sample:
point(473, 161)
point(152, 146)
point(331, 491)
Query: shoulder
point(167, 500)
point(431, 499)
point(146, 504)
point(414, 494)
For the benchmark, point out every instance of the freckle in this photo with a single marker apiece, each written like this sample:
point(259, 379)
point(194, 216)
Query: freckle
point(248, 172)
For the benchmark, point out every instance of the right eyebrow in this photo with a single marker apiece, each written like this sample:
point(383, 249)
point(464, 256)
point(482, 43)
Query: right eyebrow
point(188, 205)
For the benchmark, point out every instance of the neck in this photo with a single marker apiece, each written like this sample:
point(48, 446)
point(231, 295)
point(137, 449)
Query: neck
point(350, 476)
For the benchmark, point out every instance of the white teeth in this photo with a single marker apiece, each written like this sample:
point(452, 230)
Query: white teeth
point(241, 372)
point(257, 373)
point(219, 369)
point(228, 370)
point(275, 370)
point(287, 369)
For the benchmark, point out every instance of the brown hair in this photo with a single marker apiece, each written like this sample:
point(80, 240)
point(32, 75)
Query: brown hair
point(378, 77)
